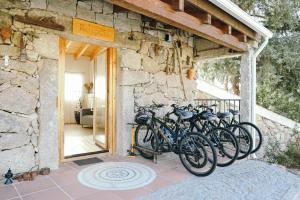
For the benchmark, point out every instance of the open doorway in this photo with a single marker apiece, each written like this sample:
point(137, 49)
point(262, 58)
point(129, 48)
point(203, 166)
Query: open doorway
point(85, 99)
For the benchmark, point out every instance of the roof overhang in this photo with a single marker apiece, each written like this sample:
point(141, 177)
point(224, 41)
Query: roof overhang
point(218, 21)
point(239, 14)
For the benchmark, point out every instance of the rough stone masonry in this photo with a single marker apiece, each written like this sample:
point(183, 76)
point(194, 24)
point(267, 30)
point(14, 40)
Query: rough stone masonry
point(29, 84)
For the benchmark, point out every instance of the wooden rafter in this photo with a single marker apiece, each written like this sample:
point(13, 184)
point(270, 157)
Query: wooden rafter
point(165, 13)
point(227, 29)
point(213, 54)
point(226, 18)
point(178, 5)
point(205, 17)
point(81, 51)
point(68, 44)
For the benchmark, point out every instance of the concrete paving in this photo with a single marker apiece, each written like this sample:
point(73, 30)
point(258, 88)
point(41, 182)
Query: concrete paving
point(245, 180)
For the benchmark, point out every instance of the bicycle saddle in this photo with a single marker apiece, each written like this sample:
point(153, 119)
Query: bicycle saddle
point(183, 114)
point(234, 112)
point(205, 115)
point(223, 115)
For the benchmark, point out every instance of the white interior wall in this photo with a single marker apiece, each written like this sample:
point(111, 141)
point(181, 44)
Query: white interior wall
point(82, 65)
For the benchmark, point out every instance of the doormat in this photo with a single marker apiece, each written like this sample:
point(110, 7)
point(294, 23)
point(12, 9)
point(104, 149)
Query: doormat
point(116, 176)
point(88, 161)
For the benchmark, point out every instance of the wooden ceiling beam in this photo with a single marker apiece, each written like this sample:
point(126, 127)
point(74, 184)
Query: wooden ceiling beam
point(213, 54)
point(226, 18)
point(68, 44)
point(81, 51)
point(164, 12)
point(227, 29)
point(178, 5)
point(205, 18)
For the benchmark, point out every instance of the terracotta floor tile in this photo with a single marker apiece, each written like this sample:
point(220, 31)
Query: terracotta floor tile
point(62, 169)
point(40, 183)
point(109, 195)
point(51, 194)
point(77, 190)
point(132, 194)
point(66, 178)
point(7, 192)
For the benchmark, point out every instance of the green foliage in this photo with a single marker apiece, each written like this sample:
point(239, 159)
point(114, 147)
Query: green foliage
point(289, 157)
point(278, 67)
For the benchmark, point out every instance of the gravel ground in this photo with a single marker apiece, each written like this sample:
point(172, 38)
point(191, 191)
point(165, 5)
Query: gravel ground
point(245, 180)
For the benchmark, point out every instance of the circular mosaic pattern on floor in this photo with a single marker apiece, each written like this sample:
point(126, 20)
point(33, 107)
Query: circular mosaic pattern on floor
point(116, 176)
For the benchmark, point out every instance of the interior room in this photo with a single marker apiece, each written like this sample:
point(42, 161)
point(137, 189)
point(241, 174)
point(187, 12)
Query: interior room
point(84, 99)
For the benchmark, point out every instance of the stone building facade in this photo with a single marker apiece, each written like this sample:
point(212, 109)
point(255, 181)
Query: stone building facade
point(147, 70)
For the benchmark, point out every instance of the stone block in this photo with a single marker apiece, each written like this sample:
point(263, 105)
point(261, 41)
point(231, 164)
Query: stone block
point(131, 59)
point(26, 67)
point(10, 51)
point(65, 7)
point(15, 99)
point(123, 40)
point(133, 77)
point(28, 83)
point(136, 16)
point(13, 140)
point(12, 123)
point(84, 11)
point(150, 89)
point(175, 93)
point(47, 45)
point(144, 49)
point(107, 8)
point(97, 6)
point(160, 78)
point(122, 25)
point(106, 20)
point(151, 65)
point(19, 159)
point(48, 142)
point(41, 4)
point(6, 76)
point(5, 19)
point(173, 81)
point(135, 25)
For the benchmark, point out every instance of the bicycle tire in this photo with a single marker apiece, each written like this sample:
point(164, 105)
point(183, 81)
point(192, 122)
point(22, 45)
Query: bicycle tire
point(153, 142)
point(244, 139)
point(202, 142)
point(258, 133)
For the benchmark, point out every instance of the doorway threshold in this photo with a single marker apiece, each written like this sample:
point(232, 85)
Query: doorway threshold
point(85, 154)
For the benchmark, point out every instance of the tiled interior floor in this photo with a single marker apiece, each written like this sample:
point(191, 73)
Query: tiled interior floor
point(62, 184)
point(79, 140)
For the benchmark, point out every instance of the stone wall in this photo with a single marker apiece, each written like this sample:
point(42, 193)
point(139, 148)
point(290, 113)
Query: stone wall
point(29, 84)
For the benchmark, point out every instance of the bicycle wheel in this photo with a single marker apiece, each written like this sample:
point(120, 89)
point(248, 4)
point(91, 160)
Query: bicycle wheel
point(244, 139)
point(146, 138)
point(255, 133)
point(226, 144)
point(197, 154)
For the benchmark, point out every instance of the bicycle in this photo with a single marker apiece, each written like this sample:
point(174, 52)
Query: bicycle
point(154, 136)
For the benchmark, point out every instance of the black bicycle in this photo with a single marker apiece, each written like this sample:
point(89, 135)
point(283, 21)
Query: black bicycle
point(252, 129)
point(243, 136)
point(154, 136)
point(223, 140)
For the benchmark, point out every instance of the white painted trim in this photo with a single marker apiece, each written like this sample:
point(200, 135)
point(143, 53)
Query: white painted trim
point(222, 94)
point(235, 11)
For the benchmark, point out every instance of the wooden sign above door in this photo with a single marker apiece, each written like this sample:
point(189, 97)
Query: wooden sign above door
point(92, 30)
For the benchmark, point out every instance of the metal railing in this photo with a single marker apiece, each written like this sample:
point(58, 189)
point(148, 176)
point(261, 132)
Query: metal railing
point(223, 105)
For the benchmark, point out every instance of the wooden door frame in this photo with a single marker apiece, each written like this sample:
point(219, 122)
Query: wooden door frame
point(112, 88)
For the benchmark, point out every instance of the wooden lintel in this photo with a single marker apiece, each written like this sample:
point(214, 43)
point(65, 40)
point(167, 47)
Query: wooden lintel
point(165, 13)
point(205, 18)
point(226, 18)
point(46, 22)
point(178, 5)
point(214, 54)
point(97, 51)
point(68, 44)
point(81, 51)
